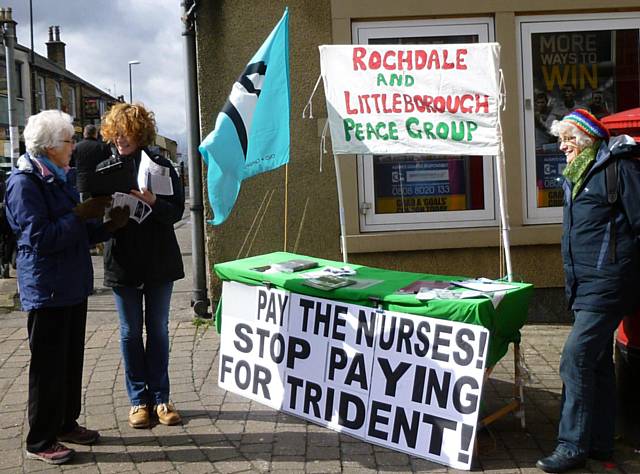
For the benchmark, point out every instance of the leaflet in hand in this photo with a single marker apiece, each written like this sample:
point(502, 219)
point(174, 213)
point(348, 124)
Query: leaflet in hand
point(156, 178)
point(138, 209)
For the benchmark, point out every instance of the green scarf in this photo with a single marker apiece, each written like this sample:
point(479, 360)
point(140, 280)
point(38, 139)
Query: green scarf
point(576, 171)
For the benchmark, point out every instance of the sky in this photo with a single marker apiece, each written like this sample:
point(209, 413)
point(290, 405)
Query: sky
point(102, 36)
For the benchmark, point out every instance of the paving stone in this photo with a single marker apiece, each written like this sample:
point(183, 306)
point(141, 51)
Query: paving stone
point(323, 466)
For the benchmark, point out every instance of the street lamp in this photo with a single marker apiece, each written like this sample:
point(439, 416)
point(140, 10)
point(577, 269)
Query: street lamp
point(131, 63)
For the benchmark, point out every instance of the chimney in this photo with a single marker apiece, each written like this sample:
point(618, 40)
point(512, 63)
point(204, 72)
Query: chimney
point(55, 47)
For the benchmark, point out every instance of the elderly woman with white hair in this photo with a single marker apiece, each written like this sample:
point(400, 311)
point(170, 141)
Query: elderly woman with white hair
point(55, 276)
point(601, 261)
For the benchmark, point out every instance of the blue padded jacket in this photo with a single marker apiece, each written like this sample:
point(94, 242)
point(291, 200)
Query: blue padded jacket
point(53, 261)
point(601, 276)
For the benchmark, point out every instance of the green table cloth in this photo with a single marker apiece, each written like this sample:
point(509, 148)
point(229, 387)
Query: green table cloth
point(503, 322)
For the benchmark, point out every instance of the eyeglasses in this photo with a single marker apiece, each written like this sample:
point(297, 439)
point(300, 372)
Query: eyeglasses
point(562, 140)
point(73, 140)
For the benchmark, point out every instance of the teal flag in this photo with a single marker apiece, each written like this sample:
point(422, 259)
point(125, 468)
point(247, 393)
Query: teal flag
point(251, 134)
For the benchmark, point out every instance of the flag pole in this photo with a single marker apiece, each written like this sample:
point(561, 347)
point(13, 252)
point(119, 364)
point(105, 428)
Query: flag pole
point(500, 176)
point(286, 202)
point(343, 236)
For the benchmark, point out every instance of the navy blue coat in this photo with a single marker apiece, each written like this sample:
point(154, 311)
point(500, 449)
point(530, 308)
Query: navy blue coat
point(53, 261)
point(593, 280)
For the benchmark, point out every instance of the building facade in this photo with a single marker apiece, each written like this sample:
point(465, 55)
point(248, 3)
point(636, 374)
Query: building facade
point(418, 213)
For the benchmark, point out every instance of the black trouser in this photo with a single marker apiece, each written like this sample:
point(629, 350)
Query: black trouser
point(56, 340)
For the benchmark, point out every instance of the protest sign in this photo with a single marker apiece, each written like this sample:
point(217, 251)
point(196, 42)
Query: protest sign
point(410, 99)
point(406, 382)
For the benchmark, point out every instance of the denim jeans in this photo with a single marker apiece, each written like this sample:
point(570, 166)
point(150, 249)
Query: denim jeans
point(587, 419)
point(146, 365)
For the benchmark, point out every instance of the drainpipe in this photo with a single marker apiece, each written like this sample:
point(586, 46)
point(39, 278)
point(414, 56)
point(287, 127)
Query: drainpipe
point(200, 301)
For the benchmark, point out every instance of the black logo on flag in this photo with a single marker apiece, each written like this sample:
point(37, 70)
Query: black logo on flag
point(243, 99)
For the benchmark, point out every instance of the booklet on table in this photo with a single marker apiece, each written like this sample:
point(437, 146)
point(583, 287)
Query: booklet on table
point(328, 282)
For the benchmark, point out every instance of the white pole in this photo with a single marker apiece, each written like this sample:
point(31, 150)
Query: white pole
point(504, 218)
point(343, 237)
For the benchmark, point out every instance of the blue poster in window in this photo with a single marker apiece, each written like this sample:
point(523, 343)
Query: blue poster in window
point(419, 185)
point(549, 168)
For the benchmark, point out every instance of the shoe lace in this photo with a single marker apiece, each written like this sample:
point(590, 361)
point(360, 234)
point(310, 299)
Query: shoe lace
point(136, 408)
point(165, 408)
point(58, 447)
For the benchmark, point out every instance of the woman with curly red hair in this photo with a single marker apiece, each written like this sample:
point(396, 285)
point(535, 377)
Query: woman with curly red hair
point(141, 263)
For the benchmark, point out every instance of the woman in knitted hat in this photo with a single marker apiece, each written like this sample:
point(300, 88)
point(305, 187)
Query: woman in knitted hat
point(601, 266)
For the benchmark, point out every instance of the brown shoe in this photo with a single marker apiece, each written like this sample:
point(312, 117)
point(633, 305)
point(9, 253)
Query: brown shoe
point(167, 414)
point(139, 416)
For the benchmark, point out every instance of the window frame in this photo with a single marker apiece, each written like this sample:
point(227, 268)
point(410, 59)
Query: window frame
point(72, 102)
point(58, 94)
point(361, 32)
point(526, 26)
point(42, 93)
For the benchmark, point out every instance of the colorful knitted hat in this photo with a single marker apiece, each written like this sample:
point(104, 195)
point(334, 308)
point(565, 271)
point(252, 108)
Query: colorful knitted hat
point(586, 122)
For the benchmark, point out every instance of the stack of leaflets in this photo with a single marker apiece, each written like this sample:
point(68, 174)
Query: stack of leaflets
point(424, 285)
point(328, 282)
point(156, 178)
point(294, 265)
point(138, 209)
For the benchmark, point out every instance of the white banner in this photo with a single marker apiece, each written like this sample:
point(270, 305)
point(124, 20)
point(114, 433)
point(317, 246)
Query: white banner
point(412, 99)
point(406, 382)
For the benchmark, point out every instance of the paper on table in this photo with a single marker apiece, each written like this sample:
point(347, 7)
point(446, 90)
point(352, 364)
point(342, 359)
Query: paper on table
point(426, 294)
point(156, 178)
point(138, 209)
point(484, 284)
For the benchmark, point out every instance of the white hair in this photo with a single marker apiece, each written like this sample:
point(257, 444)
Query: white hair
point(563, 127)
point(48, 129)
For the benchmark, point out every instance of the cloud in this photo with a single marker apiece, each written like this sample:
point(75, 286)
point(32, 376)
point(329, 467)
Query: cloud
point(102, 36)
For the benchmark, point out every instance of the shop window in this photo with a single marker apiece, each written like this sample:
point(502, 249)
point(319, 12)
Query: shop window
point(403, 192)
point(570, 62)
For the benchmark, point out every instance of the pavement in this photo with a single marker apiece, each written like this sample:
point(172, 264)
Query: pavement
point(225, 433)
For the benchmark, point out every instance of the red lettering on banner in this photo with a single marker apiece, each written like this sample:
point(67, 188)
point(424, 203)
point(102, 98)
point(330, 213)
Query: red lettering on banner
point(482, 103)
point(466, 108)
point(453, 104)
point(405, 62)
point(460, 57)
point(385, 109)
point(385, 62)
point(445, 57)
point(358, 63)
point(350, 111)
point(376, 102)
point(408, 104)
point(421, 59)
point(397, 103)
point(400, 60)
point(375, 60)
point(397, 99)
point(433, 58)
point(428, 100)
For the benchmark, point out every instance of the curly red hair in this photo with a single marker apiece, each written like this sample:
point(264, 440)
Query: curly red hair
point(130, 120)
